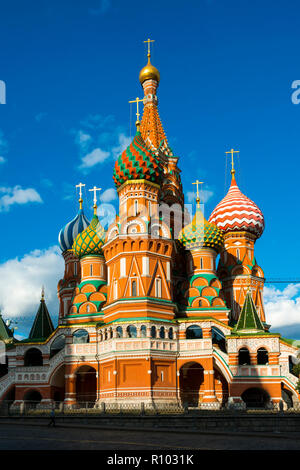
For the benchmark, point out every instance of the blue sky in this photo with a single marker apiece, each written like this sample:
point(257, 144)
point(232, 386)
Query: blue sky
point(70, 68)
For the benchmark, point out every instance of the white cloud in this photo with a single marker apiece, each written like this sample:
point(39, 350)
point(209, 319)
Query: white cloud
point(17, 195)
point(22, 280)
point(2, 160)
point(83, 140)
point(108, 195)
point(98, 139)
point(282, 306)
point(93, 158)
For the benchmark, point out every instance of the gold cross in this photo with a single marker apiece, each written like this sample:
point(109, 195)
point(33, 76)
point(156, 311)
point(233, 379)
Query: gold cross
point(197, 183)
point(137, 101)
point(232, 152)
point(95, 189)
point(149, 42)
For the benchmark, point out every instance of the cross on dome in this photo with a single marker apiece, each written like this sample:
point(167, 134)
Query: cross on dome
point(94, 190)
point(232, 152)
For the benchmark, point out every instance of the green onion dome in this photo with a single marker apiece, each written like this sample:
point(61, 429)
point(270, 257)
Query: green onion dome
point(201, 234)
point(90, 240)
point(137, 162)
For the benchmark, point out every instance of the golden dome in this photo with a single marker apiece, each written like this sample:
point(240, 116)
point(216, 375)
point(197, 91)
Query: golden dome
point(149, 72)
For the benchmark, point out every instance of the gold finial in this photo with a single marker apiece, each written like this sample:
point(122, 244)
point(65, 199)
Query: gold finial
point(198, 197)
point(43, 293)
point(149, 72)
point(80, 186)
point(232, 152)
point(137, 101)
point(149, 47)
point(95, 189)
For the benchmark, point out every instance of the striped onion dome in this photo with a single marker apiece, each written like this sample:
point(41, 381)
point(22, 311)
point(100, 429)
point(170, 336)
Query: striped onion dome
point(201, 234)
point(70, 231)
point(137, 162)
point(90, 240)
point(236, 212)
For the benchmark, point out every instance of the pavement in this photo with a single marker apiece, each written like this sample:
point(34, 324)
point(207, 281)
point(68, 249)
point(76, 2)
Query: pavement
point(30, 436)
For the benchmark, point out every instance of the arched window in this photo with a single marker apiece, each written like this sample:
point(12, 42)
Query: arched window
point(91, 269)
point(136, 207)
point(200, 303)
point(75, 269)
point(149, 208)
point(244, 357)
point(131, 331)
point(201, 263)
point(171, 334)
point(194, 332)
point(119, 332)
point(133, 289)
point(262, 356)
point(153, 332)
point(33, 357)
point(238, 254)
point(81, 336)
point(143, 331)
point(88, 307)
point(162, 332)
point(57, 345)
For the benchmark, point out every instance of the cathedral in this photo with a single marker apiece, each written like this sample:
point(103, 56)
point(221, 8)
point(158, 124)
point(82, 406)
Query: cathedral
point(160, 309)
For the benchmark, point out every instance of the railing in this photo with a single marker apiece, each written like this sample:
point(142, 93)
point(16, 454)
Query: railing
point(38, 409)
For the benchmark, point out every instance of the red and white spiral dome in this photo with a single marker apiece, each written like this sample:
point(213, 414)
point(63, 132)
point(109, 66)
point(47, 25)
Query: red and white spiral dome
point(236, 212)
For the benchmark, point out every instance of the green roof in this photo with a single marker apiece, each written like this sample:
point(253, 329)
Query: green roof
point(249, 319)
point(42, 326)
point(5, 332)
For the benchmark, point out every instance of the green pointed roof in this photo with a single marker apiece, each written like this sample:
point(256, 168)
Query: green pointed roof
point(249, 321)
point(42, 326)
point(5, 332)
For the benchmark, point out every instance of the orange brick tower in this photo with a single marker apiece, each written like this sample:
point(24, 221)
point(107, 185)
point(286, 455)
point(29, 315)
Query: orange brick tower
point(242, 223)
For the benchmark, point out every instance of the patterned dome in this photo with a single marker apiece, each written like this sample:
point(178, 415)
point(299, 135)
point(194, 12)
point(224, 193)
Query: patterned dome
point(201, 234)
point(91, 240)
point(137, 162)
point(237, 212)
point(70, 231)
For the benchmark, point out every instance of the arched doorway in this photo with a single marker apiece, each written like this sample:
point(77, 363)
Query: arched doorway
point(58, 385)
point(256, 398)
point(32, 398)
point(190, 380)
point(86, 385)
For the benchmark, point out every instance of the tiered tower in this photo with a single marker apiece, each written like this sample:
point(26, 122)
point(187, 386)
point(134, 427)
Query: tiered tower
point(71, 277)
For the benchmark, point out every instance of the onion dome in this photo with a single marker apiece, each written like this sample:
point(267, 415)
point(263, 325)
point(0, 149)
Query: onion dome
point(201, 234)
point(70, 231)
point(137, 162)
point(149, 72)
point(91, 240)
point(236, 212)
